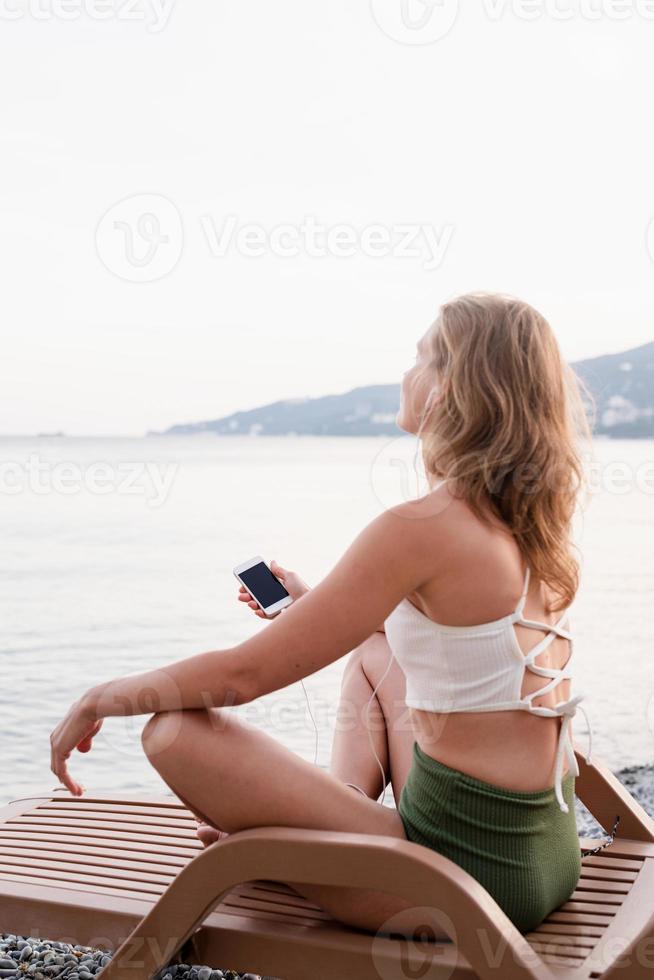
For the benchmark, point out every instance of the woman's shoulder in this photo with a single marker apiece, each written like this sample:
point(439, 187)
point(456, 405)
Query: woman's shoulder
point(439, 507)
point(447, 527)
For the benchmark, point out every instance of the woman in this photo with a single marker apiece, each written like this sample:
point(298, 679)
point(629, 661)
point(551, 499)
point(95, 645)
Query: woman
point(468, 579)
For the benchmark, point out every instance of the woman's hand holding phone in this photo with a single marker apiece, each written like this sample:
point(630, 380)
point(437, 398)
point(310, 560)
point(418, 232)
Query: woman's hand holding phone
point(291, 581)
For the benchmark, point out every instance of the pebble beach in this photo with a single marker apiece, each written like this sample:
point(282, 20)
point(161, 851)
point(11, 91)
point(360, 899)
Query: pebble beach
point(42, 959)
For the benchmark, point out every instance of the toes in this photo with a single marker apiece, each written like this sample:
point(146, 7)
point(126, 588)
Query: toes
point(208, 834)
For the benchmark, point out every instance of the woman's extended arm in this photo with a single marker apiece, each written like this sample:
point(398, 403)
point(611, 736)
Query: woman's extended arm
point(383, 564)
point(378, 569)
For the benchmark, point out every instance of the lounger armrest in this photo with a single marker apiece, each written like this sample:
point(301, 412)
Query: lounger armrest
point(605, 796)
point(421, 876)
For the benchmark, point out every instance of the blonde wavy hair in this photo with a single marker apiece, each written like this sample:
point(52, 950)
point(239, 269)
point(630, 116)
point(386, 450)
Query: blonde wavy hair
point(505, 422)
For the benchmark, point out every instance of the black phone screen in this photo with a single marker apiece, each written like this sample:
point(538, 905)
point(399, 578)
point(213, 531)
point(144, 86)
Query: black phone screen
point(263, 585)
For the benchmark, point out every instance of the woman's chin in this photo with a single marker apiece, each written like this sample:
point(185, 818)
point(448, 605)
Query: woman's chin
point(406, 424)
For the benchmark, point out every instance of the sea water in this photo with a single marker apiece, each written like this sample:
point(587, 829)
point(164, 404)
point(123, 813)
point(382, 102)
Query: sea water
point(117, 557)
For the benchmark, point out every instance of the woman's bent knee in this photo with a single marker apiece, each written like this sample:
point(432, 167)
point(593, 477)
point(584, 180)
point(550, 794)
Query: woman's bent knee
point(167, 731)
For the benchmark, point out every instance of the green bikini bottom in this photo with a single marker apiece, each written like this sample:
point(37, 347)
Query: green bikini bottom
point(520, 846)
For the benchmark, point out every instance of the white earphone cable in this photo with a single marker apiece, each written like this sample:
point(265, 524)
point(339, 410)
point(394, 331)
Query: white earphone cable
point(306, 698)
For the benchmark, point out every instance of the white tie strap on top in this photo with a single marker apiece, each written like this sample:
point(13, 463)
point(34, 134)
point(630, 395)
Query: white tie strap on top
point(481, 668)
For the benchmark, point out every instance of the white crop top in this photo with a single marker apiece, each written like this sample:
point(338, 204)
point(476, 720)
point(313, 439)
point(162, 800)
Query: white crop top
point(481, 668)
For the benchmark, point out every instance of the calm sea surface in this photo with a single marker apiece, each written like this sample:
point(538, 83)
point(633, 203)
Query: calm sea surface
point(117, 557)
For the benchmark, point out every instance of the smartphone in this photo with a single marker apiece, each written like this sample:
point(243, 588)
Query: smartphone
point(266, 590)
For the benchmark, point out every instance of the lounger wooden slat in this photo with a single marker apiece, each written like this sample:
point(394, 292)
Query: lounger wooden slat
point(579, 918)
point(150, 847)
point(89, 880)
point(598, 861)
point(76, 893)
point(562, 952)
point(609, 874)
point(132, 810)
point(561, 940)
point(602, 885)
point(61, 831)
point(624, 848)
point(185, 827)
point(279, 902)
point(571, 930)
point(590, 898)
point(157, 826)
point(289, 918)
point(104, 871)
point(253, 904)
point(563, 962)
point(279, 898)
point(247, 897)
point(89, 867)
point(135, 859)
point(60, 795)
point(64, 827)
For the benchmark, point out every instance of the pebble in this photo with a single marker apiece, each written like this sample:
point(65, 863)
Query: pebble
point(32, 958)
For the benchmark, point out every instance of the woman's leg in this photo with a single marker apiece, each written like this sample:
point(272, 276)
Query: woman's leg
point(384, 720)
point(235, 777)
point(385, 717)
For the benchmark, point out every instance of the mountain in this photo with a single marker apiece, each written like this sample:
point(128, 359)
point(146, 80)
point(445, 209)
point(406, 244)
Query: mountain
point(623, 388)
point(361, 412)
point(622, 385)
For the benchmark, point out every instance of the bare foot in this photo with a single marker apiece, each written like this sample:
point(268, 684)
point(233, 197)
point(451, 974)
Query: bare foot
point(209, 835)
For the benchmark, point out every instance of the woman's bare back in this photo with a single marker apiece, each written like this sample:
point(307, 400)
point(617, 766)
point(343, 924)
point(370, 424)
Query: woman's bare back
point(483, 582)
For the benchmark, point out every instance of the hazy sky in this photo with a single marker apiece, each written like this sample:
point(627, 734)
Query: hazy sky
point(275, 161)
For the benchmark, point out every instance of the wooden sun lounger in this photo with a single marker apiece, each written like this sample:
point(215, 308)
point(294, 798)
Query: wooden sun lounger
point(95, 870)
